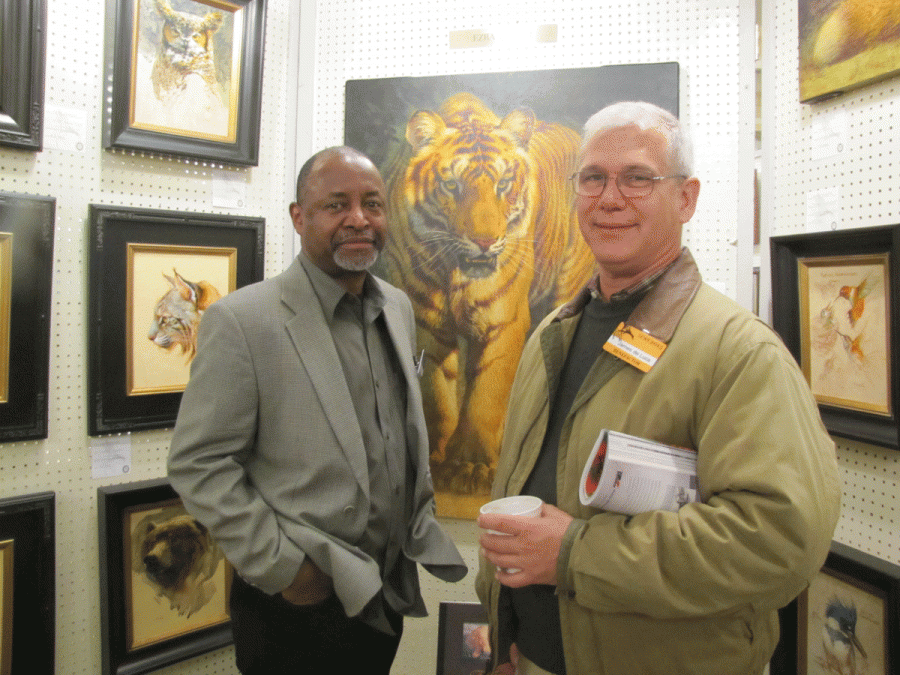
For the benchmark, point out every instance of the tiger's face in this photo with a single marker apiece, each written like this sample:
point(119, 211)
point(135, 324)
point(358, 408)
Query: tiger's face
point(469, 189)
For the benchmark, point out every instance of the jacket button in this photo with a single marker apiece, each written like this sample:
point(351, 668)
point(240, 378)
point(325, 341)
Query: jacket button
point(349, 511)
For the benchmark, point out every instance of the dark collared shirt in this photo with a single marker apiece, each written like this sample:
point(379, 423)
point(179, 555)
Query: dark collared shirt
point(377, 388)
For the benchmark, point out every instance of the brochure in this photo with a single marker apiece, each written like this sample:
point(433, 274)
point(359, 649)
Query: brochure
point(630, 475)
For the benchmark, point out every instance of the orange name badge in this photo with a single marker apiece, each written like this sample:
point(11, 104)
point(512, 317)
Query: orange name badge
point(634, 346)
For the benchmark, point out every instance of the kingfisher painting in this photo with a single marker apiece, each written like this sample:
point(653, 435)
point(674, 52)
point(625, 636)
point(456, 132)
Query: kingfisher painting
point(843, 653)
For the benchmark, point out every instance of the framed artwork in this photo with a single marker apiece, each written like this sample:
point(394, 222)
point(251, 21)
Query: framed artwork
point(27, 584)
point(847, 621)
point(26, 271)
point(164, 583)
point(835, 304)
point(22, 47)
point(512, 140)
point(152, 275)
point(186, 77)
point(845, 44)
point(464, 647)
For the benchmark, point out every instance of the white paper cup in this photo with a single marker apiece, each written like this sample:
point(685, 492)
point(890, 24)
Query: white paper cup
point(517, 505)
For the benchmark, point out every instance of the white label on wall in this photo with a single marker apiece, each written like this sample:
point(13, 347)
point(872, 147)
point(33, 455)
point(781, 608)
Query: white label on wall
point(110, 456)
point(829, 135)
point(65, 129)
point(823, 209)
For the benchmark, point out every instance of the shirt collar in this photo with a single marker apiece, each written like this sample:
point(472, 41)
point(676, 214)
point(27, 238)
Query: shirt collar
point(330, 292)
point(640, 288)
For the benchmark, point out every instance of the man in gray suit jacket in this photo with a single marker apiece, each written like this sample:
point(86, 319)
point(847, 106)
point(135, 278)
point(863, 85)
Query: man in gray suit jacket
point(301, 442)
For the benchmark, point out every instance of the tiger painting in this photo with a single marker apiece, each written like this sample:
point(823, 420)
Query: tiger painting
point(483, 239)
point(177, 315)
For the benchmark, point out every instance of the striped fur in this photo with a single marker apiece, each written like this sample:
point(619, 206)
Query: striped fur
point(483, 238)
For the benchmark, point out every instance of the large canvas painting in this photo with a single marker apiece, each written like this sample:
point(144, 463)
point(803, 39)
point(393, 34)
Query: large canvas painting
point(846, 44)
point(481, 231)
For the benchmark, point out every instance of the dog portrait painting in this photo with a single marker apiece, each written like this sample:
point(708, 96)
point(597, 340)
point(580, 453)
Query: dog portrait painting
point(178, 577)
point(169, 289)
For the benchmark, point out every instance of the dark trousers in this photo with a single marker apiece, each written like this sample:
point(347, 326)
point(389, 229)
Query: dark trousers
point(275, 637)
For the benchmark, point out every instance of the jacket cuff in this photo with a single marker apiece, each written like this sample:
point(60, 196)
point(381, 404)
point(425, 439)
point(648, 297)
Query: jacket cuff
point(565, 576)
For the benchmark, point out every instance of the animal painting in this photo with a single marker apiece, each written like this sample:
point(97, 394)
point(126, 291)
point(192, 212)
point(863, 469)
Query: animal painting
point(185, 60)
point(842, 650)
point(483, 239)
point(177, 315)
point(177, 557)
point(854, 26)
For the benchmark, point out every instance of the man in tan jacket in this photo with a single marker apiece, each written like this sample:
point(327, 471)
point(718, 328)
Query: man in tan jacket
point(583, 591)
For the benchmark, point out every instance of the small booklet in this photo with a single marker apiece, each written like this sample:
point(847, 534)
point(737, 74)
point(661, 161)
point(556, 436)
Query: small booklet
point(631, 475)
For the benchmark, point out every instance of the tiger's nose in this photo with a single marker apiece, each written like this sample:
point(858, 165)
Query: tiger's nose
point(485, 243)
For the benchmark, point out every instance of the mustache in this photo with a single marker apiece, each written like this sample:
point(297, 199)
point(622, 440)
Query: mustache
point(346, 237)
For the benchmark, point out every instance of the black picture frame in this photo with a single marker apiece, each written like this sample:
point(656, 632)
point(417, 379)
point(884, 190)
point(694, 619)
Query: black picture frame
point(124, 129)
point(112, 230)
point(860, 573)
point(30, 221)
point(29, 522)
point(795, 257)
point(113, 506)
point(22, 48)
point(456, 621)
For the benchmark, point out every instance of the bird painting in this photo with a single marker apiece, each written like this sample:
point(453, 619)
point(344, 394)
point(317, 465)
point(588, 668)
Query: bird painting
point(844, 312)
point(842, 650)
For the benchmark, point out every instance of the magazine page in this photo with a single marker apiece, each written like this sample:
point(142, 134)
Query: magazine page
point(630, 475)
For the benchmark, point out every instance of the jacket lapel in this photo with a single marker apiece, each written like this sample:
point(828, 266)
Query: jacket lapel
point(315, 347)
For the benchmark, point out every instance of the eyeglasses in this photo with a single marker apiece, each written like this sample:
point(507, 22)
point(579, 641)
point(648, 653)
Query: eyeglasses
point(591, 183)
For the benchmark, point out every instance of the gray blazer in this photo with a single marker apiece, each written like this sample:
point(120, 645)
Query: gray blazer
point(269, 455)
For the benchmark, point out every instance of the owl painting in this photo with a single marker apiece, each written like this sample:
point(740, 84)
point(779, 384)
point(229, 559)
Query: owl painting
point(185, 49)
point(184, 68)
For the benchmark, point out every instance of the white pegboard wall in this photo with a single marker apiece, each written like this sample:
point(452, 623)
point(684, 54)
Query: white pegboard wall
point(62, 463)
point(866, 176)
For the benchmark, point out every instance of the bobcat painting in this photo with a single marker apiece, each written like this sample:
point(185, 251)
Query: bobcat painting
point(176, 316)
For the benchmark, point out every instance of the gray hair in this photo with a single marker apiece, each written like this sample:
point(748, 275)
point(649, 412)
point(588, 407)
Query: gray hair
point(644, 116)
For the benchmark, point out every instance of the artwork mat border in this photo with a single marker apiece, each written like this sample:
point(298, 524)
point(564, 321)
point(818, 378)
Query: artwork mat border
point(785, 250)
point(31, 220)
point(112, 501)
point(112, 228)
point(120, 133)
point(859, 569)
point(23, 42)
point(30, 520)
point(132, 249)
point(452, 616)
point(834, 262)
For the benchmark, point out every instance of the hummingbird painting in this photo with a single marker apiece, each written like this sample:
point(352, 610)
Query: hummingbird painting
point(844, 654)
point(845, 310)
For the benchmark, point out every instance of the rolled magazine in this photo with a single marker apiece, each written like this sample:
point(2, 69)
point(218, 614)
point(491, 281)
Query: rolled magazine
point(630, 475)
